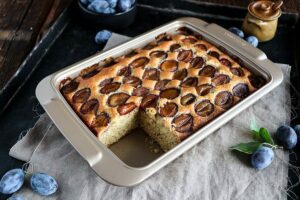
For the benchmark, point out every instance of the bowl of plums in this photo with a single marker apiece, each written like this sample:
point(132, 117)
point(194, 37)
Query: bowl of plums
point(113, 14)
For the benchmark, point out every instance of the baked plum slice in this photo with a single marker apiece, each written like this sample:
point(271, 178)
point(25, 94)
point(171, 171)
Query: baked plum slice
point(214, 54)
point(174, 47)
point(180, 74)
point(189, 40)
point(225, 62)
point(140, 92)
point(224, 99)
point(110, 87)
point(149, 46)
point(101, 119)
point(151, 74)
point(240, 90)
point(162, 38)
point(170, 93)
point(90, 74)
point(256, 81)
point(197, 62)
point(149, 101)
point(204, 108)
point(169, 65)
point(132, 80)
point(90, 107)
point(190, 82)
point(82, 95)
point(237, 71)
point(201, 47)
point(169, 110)
point(208, 71)
point(91, 71)
point(185, 55)
point(158, 54)
point(185, 31)
point(183, 123)
point(187, 99)
point(69, 87)
point(139, 62)
point(160, 85)
point(125, 71)
point(106, 81)
point(204, 89)
point(117, 99)
point(126, 108)
point(220, 79)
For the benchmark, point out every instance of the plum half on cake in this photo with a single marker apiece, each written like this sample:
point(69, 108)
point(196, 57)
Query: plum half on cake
point(171, 88)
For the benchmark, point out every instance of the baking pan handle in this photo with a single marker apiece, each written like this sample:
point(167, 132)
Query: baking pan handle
point(99, 157)
point(239, 44)
point(66, 123)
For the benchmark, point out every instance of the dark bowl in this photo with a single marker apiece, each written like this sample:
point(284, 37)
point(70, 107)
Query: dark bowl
point(115, 21)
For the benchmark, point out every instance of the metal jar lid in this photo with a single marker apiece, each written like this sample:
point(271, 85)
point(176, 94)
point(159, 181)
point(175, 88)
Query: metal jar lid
point(265, 10)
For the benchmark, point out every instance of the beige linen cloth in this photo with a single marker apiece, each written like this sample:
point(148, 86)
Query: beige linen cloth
point(209, 171)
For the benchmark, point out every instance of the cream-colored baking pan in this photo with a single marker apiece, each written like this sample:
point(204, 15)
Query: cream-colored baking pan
point(129, 161)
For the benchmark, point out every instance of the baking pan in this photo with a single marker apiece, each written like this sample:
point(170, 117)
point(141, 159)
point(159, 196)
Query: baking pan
point(130, 168)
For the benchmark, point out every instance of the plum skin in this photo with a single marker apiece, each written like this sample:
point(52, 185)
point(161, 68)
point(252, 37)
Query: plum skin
point(43, 184)
point(125, 5)
point(12, 181)
point(237, 31)
point(297, 130)
point(262, 157)
point(286, 136)
point(102, 36)
point(252, 40)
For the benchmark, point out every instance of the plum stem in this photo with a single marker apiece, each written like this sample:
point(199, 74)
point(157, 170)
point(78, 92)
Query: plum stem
point(272, 146)
point(27, 168)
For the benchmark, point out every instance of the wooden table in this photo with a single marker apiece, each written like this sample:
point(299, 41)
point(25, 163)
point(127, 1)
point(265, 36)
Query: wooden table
point(23, 23)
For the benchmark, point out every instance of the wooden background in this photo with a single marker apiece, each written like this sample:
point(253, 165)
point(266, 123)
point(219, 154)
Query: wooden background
point(23, 23)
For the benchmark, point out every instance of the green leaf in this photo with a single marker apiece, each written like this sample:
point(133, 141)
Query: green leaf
point(255, 130)
point(253, 125)
point(248, 148)
point(256, 136)
point(265, 136)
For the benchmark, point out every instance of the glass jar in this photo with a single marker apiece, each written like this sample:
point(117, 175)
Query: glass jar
point(262, 19)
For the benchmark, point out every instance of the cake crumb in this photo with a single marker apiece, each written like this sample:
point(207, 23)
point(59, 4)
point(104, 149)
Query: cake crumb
point(152, 145)
point(151, 142)
point(156, 150)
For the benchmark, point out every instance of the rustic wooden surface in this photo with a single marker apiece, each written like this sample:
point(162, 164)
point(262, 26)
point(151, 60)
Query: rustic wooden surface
point(289, 5)
point(21, 23)
point(24, 22)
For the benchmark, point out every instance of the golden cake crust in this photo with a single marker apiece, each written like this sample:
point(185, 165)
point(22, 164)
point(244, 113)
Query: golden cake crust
point(181, 78)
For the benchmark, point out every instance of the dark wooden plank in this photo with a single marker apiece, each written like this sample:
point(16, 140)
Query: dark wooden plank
point(288, 6)
point(21, 32)
point(56, 9)
point(12, 14)
point(22, 23)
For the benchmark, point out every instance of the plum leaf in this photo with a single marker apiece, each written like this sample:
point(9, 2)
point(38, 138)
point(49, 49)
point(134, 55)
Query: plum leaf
point(248, 148)
point(255, 130)
point(265, 136)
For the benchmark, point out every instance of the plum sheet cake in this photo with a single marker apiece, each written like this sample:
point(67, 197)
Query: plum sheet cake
point(171, 88)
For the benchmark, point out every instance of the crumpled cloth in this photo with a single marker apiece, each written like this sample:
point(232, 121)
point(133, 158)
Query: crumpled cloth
point(209, 171)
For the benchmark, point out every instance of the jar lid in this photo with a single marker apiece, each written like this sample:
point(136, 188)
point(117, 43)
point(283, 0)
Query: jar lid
point(265, 10)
